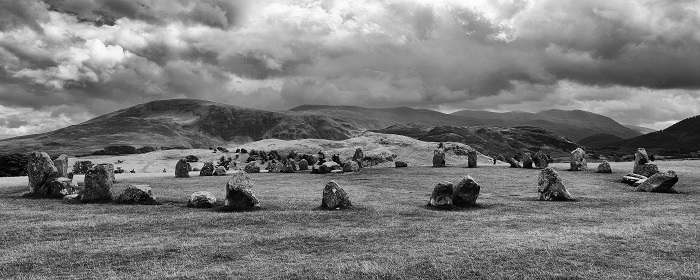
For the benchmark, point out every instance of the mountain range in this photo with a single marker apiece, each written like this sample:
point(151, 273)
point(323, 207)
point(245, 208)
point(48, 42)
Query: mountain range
point(680, 138)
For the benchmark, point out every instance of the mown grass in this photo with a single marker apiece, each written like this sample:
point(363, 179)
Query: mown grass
point(609, 232)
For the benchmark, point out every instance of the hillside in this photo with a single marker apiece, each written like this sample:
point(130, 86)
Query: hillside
point(490, 140)
point(680, 138)
point(640, 129)
point(373, 119)
point(575, 125)
point(599, 140)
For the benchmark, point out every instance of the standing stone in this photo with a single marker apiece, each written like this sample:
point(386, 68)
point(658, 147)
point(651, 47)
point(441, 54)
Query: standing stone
point(640, 159)
point(442, 196)
point(578, 160)
point(659, 182)
point(541, 160)
point(276, 167)
point(61, 163)
point(288, 167)
point(41, 171)
point(294, 164)
point(252, 167)
point(466, 192)
point(604, 167)
point(137, 194)
point(334, 197)
point(400, 164)
point(59, 188)
point(207, 169)
point(110, 169)
point(303, 165)
point(359, 155)
point(471, 158)
point(438, 158)
point(239, 193)
point(201, 199)
point(647, 170)
point(351, 166)
point(514, 163)
point(527, 160)
point(320, 169)
point(182, 169)
point(551, 187)
point(98, 185)
point(220, 171)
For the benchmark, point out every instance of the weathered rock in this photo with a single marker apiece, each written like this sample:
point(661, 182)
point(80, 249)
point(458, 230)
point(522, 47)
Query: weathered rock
point(288, 167)
point(359, 155)
point(110, 169)
point(442, 196)
point(58, 188)
point(438, 158)
point(137, 194)
point(527, 160)
point(239, 193)
point(275, 167)
point(201, 199)
point(252, 167)
point(471, 158)
point(336, 171)
point(660, 182)
point(182, 169)
point(514, 163)
point(578, 160)
point(98, 185)
point(633, 179)
point(207, 169)
point(61, 163)
point(640, 159)
point(604, 167)
point(551, 186)
point(41, 171)
point(541, 160)
point(294, 165)
point(332, 165)
point(399, 164)
point(334, 197)
point(303, 165)
point(351, 166)
point(74, 196)
point(647, 170)
point(220, 171)
point(466, 192)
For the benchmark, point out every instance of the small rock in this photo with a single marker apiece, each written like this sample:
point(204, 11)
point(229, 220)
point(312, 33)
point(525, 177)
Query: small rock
point(400, 164)
point(631, 179)
point(239, 193)
point(207, 169)
point(578, 160)
point(72, 196)
point(182, 169)
point(466, 192)
point(442, 196)
point(351, 166)
point(220, 171)
point(551, 187)
point(201, 199)
point(137, 194)
point(514, 163)
point(604, 167)
point(334, 197)
point(332, 165)
point(336, 171)
point(660, 182)
point(252, 167)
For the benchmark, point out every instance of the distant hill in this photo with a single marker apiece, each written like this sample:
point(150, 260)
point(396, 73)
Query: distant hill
point(373, 119)
point(490, 140)
point(599, 140)
point(575, 125)
point(640, 129)
point(680, 138)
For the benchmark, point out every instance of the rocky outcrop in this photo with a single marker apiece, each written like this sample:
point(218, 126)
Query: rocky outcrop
point(660, 182)
point(207, 169)
point(604, 167)
point(441, 197)
point(334, 197)
point(137, 194)
point(239, 192)
point(578, 160)
point(466, 192)
point(438, 158)
point(182, 169)
point(551, 186)
point(98, 185)
point(252, 167)
point(201, 199)
point(471, 158)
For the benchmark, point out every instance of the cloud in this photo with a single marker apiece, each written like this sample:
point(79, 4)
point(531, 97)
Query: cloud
point(607, 56)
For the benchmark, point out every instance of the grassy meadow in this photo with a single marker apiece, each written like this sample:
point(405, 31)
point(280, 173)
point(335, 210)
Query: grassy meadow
point(609, 232)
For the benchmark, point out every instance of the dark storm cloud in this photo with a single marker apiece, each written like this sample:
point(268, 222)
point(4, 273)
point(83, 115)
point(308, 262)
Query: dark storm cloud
point(15, 14)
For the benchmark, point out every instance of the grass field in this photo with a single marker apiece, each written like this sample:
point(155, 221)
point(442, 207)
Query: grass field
point(609, 232)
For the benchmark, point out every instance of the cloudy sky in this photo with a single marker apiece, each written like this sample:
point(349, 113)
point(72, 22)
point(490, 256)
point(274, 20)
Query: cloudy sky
point(66, 61)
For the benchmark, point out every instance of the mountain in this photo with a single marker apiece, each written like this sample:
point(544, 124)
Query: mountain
point(490, 140)
point(575, 125)
point(680, 138)
point(373, 119)
point(640, 129)
point(599, 140)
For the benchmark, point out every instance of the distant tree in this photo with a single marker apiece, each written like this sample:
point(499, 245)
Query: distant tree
point(191, 158)
point(82, 167)
point(12, 165)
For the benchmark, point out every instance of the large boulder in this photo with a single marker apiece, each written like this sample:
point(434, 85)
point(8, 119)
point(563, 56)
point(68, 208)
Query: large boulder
point(438, 158)
point(351, 166)
point(220, 171)
point(578, 160)
point(98, 185)
point(207, 169)
point(201, 199)
point(320, 169)
point(604, 167)
point(527, 160)
point(252, 167)
point(239, 192)
point(110, 169)
point(41, 171)
point(551, 186)
point(647, 170)
point(303, 165)
point(275, 167)
point(442, 196)
point(288, 167)
point(61, 163)
point(334, 197)
point(332, 165)
point(471, 158)
point(640, 159)
point(514, 163)
point(400, 164)
point(182, 169)
point(58, 188)
point(541, 160)
point(660, 182)
point(137, 194)
point(466, 192)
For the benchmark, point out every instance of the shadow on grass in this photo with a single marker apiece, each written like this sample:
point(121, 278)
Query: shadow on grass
point(476, 207)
